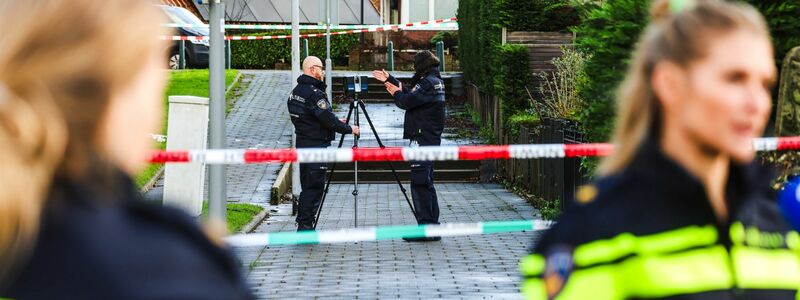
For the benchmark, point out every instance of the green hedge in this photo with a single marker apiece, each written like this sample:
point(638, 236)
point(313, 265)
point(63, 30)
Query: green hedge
point(512, 77)
point(538, 15)
point(783, 18)
point(479, 33)
point(263, 54)
point(608, 32)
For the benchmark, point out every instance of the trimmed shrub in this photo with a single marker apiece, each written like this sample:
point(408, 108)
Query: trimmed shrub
point(263, 54)
point(527, 118)
point(478, 35)
point(538, 15)
point(783, 18)
point(610, 30)
point(608, 33)
point(450, 39)
point(512, 78)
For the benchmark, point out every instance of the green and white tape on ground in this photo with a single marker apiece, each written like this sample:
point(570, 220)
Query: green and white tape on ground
point(383, 233)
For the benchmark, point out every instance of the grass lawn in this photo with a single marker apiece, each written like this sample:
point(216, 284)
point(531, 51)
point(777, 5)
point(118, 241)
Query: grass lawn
point(183, 82)
point(238, 214)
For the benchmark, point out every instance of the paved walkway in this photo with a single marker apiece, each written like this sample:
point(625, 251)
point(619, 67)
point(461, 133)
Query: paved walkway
point(457, 267)
point(257, 120)
point(469, 267)
point(388, 122)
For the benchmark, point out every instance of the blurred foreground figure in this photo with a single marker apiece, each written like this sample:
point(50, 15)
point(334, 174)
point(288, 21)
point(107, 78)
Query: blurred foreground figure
point(680, 210)
point(78, 101)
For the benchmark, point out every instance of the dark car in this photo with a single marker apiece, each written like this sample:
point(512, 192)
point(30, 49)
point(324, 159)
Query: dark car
point(196, 51)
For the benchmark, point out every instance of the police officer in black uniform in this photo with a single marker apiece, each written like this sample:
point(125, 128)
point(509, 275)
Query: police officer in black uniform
point(314, 126)
point(423, 126)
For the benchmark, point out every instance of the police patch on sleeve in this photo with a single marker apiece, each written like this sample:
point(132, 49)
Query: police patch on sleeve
point(416, 87)
point(322, 104)
point(558, 266)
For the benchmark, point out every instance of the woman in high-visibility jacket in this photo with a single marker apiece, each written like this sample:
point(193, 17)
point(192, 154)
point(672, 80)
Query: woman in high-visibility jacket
point(680, 210)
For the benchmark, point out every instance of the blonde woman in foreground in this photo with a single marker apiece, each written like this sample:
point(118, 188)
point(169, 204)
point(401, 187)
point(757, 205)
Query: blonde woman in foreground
point(680, 210)
point(81, 87)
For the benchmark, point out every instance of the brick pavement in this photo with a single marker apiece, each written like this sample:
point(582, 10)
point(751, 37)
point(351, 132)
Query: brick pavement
point(457, 267)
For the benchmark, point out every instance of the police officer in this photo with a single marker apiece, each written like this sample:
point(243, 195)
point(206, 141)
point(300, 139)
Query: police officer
point(314, 126)
point(681, 210)
point(423, 126)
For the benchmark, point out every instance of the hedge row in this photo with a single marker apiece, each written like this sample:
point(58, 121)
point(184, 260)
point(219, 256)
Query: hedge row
point(610, 31)
point(783, 18)
point(263, 54)
point(512, 77)
point(478, 36)
point(494, 68)
point(538, 15)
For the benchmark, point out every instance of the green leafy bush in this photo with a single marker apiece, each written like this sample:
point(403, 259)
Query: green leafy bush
point(450, 38)
point(479, 33)
point(512, 78)
point(527, 118)
point(263, 54)
point(538, 15)
point(783, 18)
point(608, 32)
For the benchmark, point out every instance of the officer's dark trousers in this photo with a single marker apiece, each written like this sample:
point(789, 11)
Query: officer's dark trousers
point(312, 183)
point(423, 193)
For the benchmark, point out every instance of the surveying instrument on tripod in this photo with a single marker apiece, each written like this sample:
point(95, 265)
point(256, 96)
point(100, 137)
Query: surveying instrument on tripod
point(353, 87)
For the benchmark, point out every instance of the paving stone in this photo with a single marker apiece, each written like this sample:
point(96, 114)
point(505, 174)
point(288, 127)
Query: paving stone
point(469, 267)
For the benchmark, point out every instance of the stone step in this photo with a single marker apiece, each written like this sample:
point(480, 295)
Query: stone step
point(445, 171)
point(404, 165)
point(545, 46)
point(386, 176)
point(538, 38)
point(539, 34)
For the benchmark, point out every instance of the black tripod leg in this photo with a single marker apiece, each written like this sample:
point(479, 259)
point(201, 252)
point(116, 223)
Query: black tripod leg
point(391, 166)
point(333, 168)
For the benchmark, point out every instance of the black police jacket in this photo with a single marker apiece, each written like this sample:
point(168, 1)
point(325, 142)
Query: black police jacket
point(424, 106)
point(118, 247)
point(312, 115)
point(649, 232)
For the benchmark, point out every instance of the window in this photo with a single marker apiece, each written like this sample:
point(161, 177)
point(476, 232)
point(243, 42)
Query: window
point(418, 10)
point(444, 9)
point(424, 10)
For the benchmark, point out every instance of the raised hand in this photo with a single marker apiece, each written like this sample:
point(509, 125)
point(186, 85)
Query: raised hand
point(381, 75)
point(392, 89)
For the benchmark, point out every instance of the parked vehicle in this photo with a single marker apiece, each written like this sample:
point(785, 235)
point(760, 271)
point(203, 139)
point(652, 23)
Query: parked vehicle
point(196, 52)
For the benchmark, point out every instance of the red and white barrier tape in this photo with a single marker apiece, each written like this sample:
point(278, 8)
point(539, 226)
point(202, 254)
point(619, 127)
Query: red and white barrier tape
point(432, 153)
point(309, 27)
point(309, 35)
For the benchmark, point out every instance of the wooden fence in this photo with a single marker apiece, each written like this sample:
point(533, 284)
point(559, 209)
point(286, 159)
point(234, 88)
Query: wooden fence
point(549, 179)
point(488, 108)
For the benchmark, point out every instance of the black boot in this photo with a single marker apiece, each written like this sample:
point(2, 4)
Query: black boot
point(423, 239)
point(304, 227)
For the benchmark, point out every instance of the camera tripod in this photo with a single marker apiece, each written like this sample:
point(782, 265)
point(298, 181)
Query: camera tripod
point(355, 105)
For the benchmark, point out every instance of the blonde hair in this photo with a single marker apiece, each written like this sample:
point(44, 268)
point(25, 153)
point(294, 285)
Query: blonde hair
point(60, 63)
point(679, 34)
